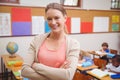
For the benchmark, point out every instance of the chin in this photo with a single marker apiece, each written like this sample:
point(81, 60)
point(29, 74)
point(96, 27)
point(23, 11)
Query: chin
point(56, 31)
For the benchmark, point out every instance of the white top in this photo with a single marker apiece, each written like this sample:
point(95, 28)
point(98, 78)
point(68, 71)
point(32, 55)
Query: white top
point(113, 68)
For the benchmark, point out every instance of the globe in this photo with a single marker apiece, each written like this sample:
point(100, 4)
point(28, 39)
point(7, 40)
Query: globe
point(12, 48)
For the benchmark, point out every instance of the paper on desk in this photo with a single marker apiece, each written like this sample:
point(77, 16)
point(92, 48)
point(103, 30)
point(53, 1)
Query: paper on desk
point(99, 73)
point(110, 73)
point(16, 73)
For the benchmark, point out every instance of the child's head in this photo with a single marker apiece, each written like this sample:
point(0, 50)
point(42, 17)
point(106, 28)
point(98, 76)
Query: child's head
point(104, 45)
point(116, 60)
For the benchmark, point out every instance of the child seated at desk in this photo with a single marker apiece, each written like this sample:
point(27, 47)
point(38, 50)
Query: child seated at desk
point(105, 48)
point(105, 52)
point(85, 59)
point(115, 65)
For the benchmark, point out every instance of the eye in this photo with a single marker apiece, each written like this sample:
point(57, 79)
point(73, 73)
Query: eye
point(56, 18)
point(49, 19)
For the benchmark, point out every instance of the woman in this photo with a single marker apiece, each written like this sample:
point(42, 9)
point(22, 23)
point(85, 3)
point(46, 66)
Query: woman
point(54, 55)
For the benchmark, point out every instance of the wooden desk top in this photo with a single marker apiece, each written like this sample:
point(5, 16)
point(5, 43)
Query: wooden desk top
point(103, 78)
point(6, 58)
point(86, 68)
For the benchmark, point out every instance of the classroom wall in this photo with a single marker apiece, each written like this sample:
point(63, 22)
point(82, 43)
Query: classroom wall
point(42, 3)
point(87, 41)
point(86, 4)
point(97, 4)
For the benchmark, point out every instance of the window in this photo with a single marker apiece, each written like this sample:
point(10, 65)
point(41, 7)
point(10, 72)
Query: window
point(9, 1)
point(115, 4)
point(71, 3)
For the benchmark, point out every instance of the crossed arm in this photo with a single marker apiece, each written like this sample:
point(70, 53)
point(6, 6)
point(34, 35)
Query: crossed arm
point(42, 72)
point(38, 71)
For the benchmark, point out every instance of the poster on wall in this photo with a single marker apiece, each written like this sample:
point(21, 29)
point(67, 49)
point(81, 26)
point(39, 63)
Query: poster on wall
point(115, 18)
point(68, 25)
point(21, 21)
point(47, 28)
point(5, 24)
point(75, 25)
point(38, 25)
point(101, 24)
point(115, 27)
point(86, 27)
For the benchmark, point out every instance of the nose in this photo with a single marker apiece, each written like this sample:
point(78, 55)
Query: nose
point(53, 21)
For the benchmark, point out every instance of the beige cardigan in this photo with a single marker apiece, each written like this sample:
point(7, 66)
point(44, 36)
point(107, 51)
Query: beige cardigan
point(43, 72)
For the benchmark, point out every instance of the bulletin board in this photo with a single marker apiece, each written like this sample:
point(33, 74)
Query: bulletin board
point(88, 16)
point(79, 21)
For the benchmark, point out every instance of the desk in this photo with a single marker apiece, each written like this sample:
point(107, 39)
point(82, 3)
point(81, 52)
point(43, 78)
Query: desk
point(5, 67)
point(103, 78)
point(81, 75)
point(80, 68)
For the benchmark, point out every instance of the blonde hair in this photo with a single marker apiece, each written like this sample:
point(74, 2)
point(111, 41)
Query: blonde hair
point(65, 29)
point(56, 6)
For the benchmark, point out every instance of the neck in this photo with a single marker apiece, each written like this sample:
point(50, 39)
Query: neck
point(57, 36)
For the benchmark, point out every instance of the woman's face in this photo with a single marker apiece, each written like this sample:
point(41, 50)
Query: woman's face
point(56, 20)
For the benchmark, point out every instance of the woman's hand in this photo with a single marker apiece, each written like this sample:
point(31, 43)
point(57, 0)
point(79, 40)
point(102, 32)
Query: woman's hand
point(34, 65)
point(66, 64)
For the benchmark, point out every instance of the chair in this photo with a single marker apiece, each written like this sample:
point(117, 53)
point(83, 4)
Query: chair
point(76, 76)
point(113, 51)
point(100, 62)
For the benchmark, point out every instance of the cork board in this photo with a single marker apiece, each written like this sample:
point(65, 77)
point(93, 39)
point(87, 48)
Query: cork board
point(84, 15)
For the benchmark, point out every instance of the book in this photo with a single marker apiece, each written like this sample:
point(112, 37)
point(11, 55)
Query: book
point(99, 73)
point(15, 63)
point(16, 73)
point(110, 73)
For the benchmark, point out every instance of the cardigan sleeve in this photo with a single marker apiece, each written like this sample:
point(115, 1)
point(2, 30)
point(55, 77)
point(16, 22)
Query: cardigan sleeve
point(60, 73)
point(27, 71)
point(30, 73)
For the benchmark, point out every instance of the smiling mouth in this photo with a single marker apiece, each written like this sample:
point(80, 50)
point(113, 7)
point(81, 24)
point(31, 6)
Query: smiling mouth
point(55, 27)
